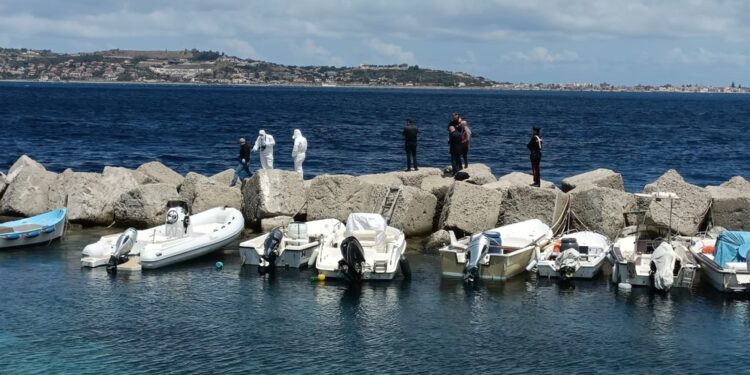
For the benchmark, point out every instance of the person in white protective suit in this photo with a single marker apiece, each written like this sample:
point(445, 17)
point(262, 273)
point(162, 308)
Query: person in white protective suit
point(264, 144)
point(298, 151)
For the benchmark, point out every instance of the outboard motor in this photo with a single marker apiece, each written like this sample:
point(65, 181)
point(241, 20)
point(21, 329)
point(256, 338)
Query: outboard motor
point(569, 260)
point(178, 219)
point(353, 257)
point(478, 248)
point(122, 248)
point(662, 266)
point(271, 250)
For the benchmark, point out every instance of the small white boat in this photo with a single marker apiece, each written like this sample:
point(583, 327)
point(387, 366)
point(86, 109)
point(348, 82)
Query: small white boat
point(724, 261)
point(181, 238)
point(369, 249)
point(649, 255)
point(578, 255)
point(33, 230)
point(293, 246)
point(496, 254)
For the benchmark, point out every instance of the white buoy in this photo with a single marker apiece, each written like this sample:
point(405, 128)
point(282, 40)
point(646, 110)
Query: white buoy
point(313, 258)
point(531, 265)
point(625, 286)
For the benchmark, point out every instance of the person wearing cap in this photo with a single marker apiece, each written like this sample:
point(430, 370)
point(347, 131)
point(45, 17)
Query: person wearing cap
point(244, 162)
point(264, 143)
point(535, 149)
point(298, 151)
point(410, 144)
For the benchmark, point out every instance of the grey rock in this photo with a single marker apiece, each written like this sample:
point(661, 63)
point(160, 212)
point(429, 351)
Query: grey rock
point(479, 174)
point(601, 209)
point(731, 207)
point(414, 211)
point(381, 179)
point(270, 193)
point(210, 193)
point(599, 177)
point(437, 186)
point(23, 162)
point(3, 183)
point(160, 173)
point(189, 186)
point(26, 195)
point(737, 182)
point(225, 177)
point(470, 208)
point(123, 178)
point(144, 206)
point(688, 211)
point(88, 199)
point(415, 178)
point(516, 179)
point(336, 196)
point(527, 202)
point(269, 223)
point(435, 241)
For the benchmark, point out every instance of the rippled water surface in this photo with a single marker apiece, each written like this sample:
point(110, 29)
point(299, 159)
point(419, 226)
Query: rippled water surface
point(351, 130)
point(58, 318)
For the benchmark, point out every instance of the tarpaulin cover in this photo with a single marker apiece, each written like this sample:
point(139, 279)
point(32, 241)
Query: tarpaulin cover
point(732, 247)
point(664, 259)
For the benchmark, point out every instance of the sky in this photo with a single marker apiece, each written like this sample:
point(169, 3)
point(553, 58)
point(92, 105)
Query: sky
point(627, 42)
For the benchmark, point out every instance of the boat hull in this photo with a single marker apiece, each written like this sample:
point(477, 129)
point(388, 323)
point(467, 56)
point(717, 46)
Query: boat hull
point(45, 233)
point(499, 266)
point(727, 281)
point(292, 258)
point(585, 271)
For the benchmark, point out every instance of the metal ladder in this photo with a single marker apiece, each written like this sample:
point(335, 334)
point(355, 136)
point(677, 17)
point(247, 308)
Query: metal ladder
point(381, 266)
point(389, 203)
point(688, 274)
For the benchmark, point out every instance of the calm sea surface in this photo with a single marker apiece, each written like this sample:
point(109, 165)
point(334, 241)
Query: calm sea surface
point(58, 318)
point(195, 128)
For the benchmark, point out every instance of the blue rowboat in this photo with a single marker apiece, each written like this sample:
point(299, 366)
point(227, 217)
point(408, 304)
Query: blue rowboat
point(36, 229)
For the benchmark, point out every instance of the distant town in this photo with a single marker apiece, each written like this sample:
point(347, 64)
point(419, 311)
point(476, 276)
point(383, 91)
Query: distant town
point(210, 67)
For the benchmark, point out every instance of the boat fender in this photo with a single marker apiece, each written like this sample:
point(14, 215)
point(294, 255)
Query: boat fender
point(32, 234)
point(318, 277)
point(531, 265)
point(313, 258)
point(12, 236)
point(219, 265)
point(48, 229)
point(403, 263)
point(625, 286)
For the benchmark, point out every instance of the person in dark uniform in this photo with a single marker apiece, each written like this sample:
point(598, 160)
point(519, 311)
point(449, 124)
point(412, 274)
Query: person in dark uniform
point(410, 144)
point(244, 162)
point(456, 148)
point(535, 149)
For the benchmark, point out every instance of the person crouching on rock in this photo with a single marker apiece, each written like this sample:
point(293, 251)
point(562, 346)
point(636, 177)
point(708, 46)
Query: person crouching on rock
point(456, 148)
point(244, 160)
point(535, 149)
point(264, 143)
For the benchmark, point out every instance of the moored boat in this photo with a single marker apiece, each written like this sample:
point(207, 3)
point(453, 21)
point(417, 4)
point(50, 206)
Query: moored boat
point(496, 254)
point(292, 246)
point(369, 249)
point(33, 230)
point(180, 238)
point(724, 261)
point(578, 255)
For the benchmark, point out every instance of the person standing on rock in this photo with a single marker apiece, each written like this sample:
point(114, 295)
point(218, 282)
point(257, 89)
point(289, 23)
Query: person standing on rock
point(465, 141)
point(244, 162)
point(298, 151)
point(454, 143)
point(535, 149)
point(410, 144)
point(264, 143)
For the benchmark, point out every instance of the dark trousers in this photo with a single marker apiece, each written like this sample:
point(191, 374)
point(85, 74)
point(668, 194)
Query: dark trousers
point(465, 155)
point(536, 158)
point(411, 154)
point(456, 162)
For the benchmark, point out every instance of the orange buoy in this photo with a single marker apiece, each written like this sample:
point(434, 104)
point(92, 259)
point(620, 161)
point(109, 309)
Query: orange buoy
point(708, 249)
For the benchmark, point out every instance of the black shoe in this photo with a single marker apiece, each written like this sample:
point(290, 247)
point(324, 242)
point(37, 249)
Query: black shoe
point(407, 170)
point(416, 169)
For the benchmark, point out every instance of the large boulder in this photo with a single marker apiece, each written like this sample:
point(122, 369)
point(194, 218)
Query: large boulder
point(470, 208)
point(3, 183)
point(123, 178)
point(415, 178)
point(477, 174)
point(88, 199)
point(272, 192)
point(687, 212)
point(599, 177)
point(522, 203)
point(160, 173)
point(269, 223)
point(336, 196)
point(731, 207)
point(435, 241)
point(737, 182)
point(26, 195)
point(437, 186)
point(601, 209)
point(23, 162)
point(414, 211)
point(211, 193)
point(516, 179)
point(144, 206)
point(189, 185)
point(225, 177)
point(381, 179)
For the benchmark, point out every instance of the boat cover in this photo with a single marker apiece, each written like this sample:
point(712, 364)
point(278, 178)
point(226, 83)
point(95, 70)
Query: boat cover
point(732, 247)
point(664, 259)
point(363, 221)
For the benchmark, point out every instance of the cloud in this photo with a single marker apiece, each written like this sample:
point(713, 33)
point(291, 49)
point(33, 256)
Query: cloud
point(702, 56)
point(542, 55)
point(309, 48)
point(239, 48)
point(392, 51)
point(467, 59)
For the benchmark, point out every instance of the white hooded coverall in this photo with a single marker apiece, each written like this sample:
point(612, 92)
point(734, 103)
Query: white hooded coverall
point(266, 155)
point(299, 150)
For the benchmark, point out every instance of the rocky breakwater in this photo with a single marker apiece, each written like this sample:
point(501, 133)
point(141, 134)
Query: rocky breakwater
point(426, 202)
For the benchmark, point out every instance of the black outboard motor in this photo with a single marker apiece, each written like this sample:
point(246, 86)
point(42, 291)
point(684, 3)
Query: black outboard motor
point(122, 249)
point(478, 248)
point(353, 257)
point(568, 260)
point(271, 250)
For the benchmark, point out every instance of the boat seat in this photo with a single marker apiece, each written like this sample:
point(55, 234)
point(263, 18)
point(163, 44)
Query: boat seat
point(25, 227)
point(294, 242)
point(368, 239)
point(6, 230)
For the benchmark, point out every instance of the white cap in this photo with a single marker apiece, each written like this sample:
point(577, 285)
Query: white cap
point(262, 132)
point(297, 133)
